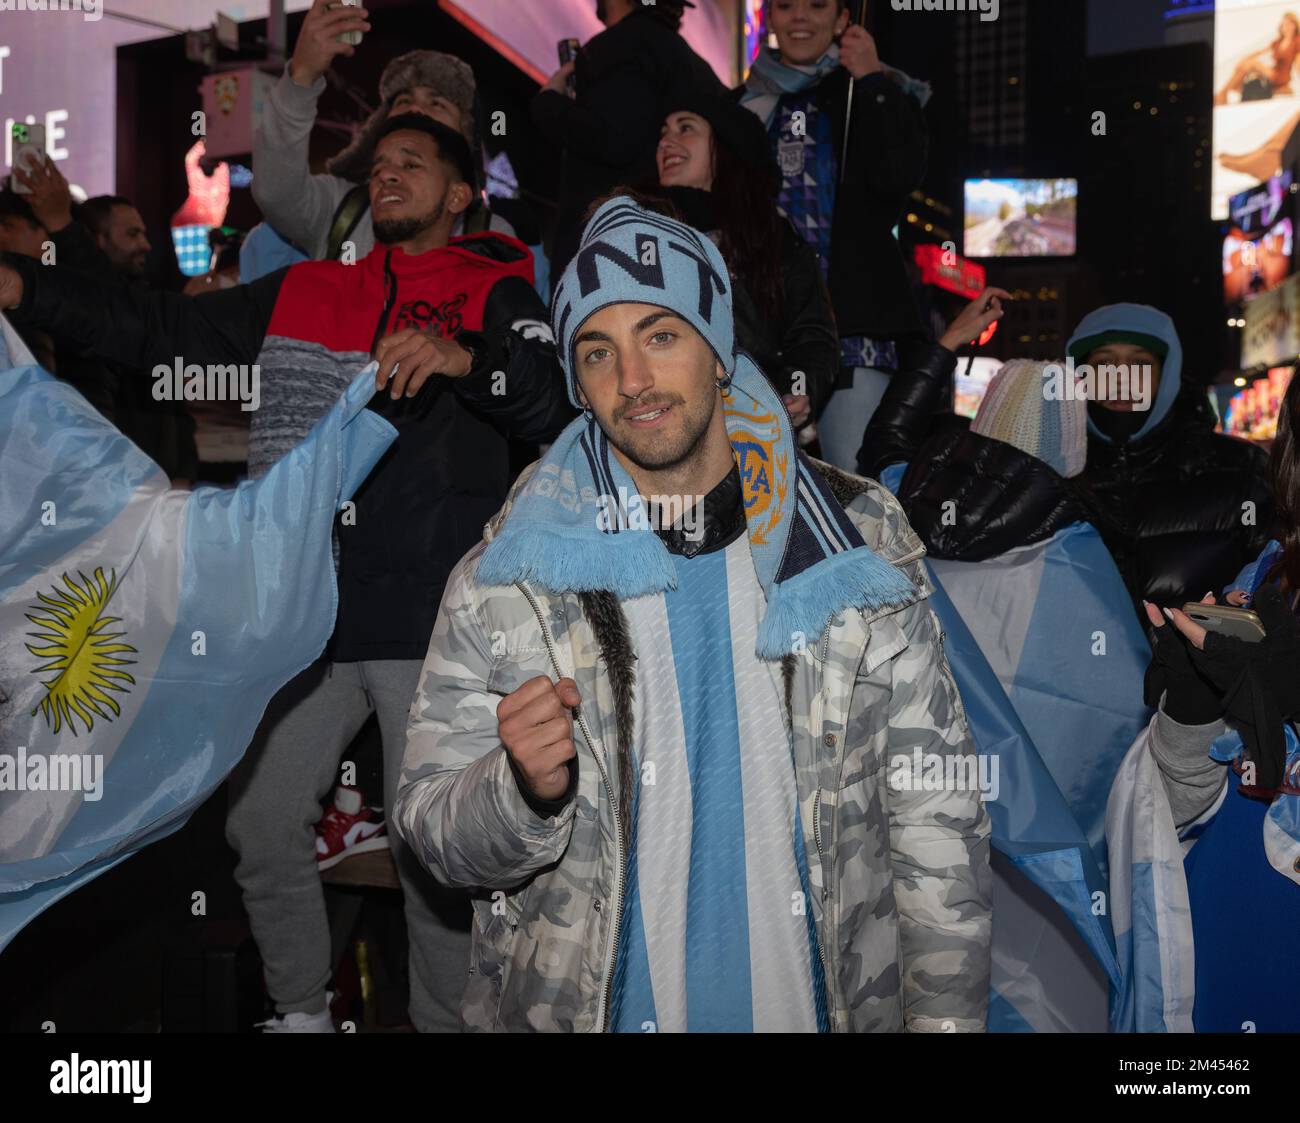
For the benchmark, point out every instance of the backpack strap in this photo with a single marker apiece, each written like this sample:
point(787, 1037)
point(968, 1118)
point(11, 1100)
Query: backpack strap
point(477, 219)
point(353, 205)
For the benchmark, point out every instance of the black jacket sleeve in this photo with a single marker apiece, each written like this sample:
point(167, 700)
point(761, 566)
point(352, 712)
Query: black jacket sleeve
point(141, 328)
point(516, 382)
point(889, 142)
point(610, 122)
point(96, 380)
point(808, 340)
point(903, 420)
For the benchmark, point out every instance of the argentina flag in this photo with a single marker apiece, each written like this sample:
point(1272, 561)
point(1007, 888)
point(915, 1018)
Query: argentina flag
point(143, 630)
point(1057, 705)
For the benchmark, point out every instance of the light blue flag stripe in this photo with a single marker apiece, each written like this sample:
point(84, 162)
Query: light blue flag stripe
point(1032, 824)
point(254, 575)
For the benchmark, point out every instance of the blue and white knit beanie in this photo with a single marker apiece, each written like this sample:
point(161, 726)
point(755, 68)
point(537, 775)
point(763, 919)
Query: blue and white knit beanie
point(1016, 409)
point(630, 255)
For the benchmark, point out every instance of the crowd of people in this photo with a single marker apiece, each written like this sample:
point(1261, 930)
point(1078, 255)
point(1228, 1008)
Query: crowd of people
point(615, 752)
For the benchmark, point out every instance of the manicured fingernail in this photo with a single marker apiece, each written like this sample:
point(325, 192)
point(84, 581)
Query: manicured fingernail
point(1168, 613)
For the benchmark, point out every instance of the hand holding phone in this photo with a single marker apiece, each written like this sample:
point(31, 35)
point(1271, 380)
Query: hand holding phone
point(29, 153)
point(1225, 620)
point(330, 30)
point(568, 52)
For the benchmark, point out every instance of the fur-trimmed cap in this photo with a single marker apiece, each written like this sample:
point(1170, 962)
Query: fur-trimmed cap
point(449, 76)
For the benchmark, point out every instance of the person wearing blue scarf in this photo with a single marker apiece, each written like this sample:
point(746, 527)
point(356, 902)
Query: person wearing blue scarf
point(668, 720)
point(845, 202)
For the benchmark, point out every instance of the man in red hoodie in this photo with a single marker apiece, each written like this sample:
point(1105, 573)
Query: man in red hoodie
point(466, 363)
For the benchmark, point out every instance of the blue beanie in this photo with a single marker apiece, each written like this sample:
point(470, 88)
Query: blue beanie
point(629, 255)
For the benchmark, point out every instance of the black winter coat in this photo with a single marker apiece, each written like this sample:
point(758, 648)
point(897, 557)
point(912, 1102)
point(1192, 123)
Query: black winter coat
point(163, 431)
point(968, 496)
point(629, 78)
point(888, 149)
point(1171, 507)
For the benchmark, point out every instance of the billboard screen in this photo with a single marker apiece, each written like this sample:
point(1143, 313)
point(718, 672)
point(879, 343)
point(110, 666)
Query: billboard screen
point(1252, 265)
point(1021, 217)
point(1256, 93)
point(1259, 208)
point(971, 382)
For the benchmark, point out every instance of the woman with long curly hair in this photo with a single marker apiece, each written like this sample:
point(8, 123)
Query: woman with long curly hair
point(715, 170)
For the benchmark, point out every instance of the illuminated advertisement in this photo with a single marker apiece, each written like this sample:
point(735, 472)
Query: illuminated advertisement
point(1259, 208)
point(1256, 93)
point(1021, 217)
point(59, 69)
point(1252, 265)
point(527, 33)
point(971, 383)
point(945, 270)
point(1272, 332)
point(1252, 412)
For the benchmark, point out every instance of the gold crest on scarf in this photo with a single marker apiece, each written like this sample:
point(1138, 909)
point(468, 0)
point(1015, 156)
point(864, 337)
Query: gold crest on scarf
point(764, 472)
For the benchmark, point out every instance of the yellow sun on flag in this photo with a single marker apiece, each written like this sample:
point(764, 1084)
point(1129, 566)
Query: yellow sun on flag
point(86, 656)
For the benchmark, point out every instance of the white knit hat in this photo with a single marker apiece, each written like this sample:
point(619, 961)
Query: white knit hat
point(1016, 409)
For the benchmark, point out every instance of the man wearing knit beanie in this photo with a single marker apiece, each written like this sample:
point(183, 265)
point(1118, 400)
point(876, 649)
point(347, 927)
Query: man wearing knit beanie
point(653, 725)
point(318, 212)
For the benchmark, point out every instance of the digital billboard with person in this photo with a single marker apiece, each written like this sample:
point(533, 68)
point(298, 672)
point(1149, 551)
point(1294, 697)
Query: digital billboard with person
point(1256, 93)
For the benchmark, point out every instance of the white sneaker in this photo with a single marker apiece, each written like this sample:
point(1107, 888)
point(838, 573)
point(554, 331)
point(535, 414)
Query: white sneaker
point(298, 1022)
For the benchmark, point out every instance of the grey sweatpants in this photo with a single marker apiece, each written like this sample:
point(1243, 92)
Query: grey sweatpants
point(275, 796)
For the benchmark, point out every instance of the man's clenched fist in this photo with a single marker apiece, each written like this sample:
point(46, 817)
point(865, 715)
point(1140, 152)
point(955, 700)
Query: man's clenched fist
point(535, 724)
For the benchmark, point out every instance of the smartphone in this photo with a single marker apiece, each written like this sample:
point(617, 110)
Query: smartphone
point(351, 38)
point(28, 150)
point(568, 51)
point(1238, 623)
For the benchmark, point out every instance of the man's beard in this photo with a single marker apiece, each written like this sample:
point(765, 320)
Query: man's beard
point(650, 451)
point(390, 231)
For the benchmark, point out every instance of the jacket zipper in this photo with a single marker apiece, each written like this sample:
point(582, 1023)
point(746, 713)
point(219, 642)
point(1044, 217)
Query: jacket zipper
point(822, 856)
point(611, 958)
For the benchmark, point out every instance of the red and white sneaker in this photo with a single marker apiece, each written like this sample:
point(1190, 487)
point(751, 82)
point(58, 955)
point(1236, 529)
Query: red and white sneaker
point(347, 828)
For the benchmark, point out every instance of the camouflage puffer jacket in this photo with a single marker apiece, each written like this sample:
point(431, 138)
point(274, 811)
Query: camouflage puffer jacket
point(900, 883)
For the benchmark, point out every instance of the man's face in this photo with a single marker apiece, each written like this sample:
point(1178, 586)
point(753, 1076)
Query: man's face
point(426, 100)
point(410, 187)
point(1144, 374)
point(805, 29)
point(649, 379)
point(609, 12)
point(685, 153)
point(17, 235)
point(124, 241)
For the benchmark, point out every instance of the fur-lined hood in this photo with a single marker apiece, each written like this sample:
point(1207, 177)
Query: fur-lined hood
point(450, 76)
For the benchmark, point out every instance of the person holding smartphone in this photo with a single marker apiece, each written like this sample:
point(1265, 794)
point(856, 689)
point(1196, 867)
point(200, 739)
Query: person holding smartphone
point(627, 80)
point(1223, 744)
point(317, 213)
